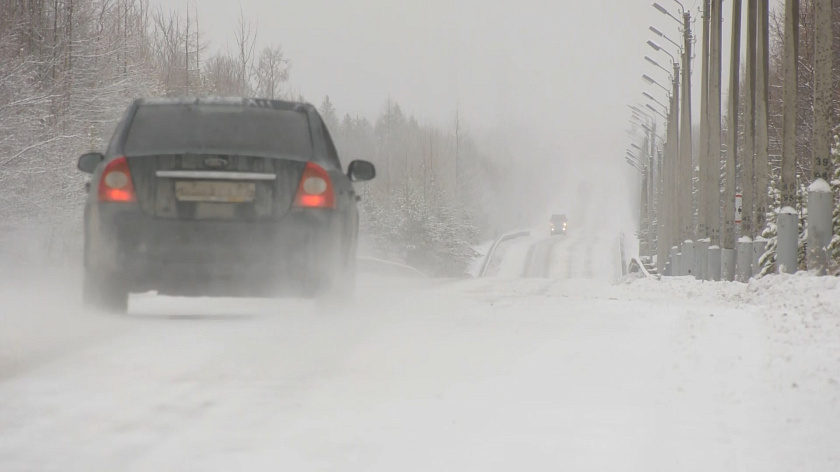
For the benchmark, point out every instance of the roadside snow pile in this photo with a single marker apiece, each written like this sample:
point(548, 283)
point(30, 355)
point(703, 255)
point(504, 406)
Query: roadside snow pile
point(632, 278)
point(800, 318)
point(782, 293)
point(801, 293)
point(793, 322)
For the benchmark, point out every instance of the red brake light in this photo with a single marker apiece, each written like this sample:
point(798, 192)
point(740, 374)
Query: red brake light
point(315, 189)
point(115, 184)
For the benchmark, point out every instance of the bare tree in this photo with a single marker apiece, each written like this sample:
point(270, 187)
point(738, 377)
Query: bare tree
point(222, 76)
point(177, 47)
point(246, 36)
point(272, 72)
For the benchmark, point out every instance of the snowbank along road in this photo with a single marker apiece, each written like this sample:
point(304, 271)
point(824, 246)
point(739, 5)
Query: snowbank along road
point(485, 374)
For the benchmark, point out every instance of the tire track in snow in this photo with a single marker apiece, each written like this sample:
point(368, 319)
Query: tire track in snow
point(538, 262)
point(590, 255)
point(561, 257)
point(573, 261)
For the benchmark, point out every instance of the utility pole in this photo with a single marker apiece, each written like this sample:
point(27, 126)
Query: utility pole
point(672, 160)
point(787, 251)
point(661, 243)
point(644, 222)
point(686, 181)
point(820, 196)
point(748, 159)
point(652, 176)
point(458, 151)
point(187, 54)
point(704, 160)
point(664, 198)
point(728, 253)
point(744, 264)
point(762, 132)
point(644, 163)
point(713, 177)
point(641, 163)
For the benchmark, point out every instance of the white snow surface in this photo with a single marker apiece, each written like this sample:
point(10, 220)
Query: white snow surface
point(484, 374)
point(788, 211)
point(745, 239)
point(819, 185)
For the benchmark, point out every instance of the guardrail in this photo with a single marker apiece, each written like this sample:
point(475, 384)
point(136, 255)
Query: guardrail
point(636, 266)
point(489, 256)
point(372, 264)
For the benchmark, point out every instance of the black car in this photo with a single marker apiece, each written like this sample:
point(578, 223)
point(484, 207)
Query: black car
point(219, 197)
point(558, 224)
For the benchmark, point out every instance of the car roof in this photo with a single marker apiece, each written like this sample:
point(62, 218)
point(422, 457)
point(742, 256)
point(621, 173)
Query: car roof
point(226, 101)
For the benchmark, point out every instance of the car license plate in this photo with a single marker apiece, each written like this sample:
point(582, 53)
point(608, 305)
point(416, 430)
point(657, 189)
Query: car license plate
point(217, 192)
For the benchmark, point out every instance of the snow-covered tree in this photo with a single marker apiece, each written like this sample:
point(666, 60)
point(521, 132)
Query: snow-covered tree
point(834, 246)
point(67, 71)
point(804, 112)
point(771, 232)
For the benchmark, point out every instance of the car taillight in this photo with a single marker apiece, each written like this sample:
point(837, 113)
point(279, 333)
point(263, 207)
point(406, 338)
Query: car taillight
point(115, 184)
point(315, 189)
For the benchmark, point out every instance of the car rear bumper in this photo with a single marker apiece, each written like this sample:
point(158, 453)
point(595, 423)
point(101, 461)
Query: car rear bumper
point(190, 257)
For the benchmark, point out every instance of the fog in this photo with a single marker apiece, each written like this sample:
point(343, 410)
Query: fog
point(140, 329)
point(552, 78)
point(540, 87)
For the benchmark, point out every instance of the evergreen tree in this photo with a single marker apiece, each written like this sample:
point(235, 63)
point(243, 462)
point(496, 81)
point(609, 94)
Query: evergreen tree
point(771, 233)
point(802, 204)
point(329, 115)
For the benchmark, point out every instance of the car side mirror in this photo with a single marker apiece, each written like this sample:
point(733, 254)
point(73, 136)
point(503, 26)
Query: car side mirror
point(88, 162)
point(361, 171)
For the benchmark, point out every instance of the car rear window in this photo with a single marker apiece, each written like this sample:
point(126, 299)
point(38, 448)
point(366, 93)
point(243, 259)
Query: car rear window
point(218, 129)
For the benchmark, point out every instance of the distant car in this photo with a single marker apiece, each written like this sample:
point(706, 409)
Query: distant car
point(558, 224)
point(219, 197)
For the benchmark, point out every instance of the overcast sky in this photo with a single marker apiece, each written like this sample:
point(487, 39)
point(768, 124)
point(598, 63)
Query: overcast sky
point(564, 69)
point(556, 74)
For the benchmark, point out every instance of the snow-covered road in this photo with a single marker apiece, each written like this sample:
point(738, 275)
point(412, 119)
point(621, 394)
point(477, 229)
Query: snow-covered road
point(488, 374)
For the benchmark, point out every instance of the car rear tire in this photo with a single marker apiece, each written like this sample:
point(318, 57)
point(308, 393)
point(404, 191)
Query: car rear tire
point(107, 295)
